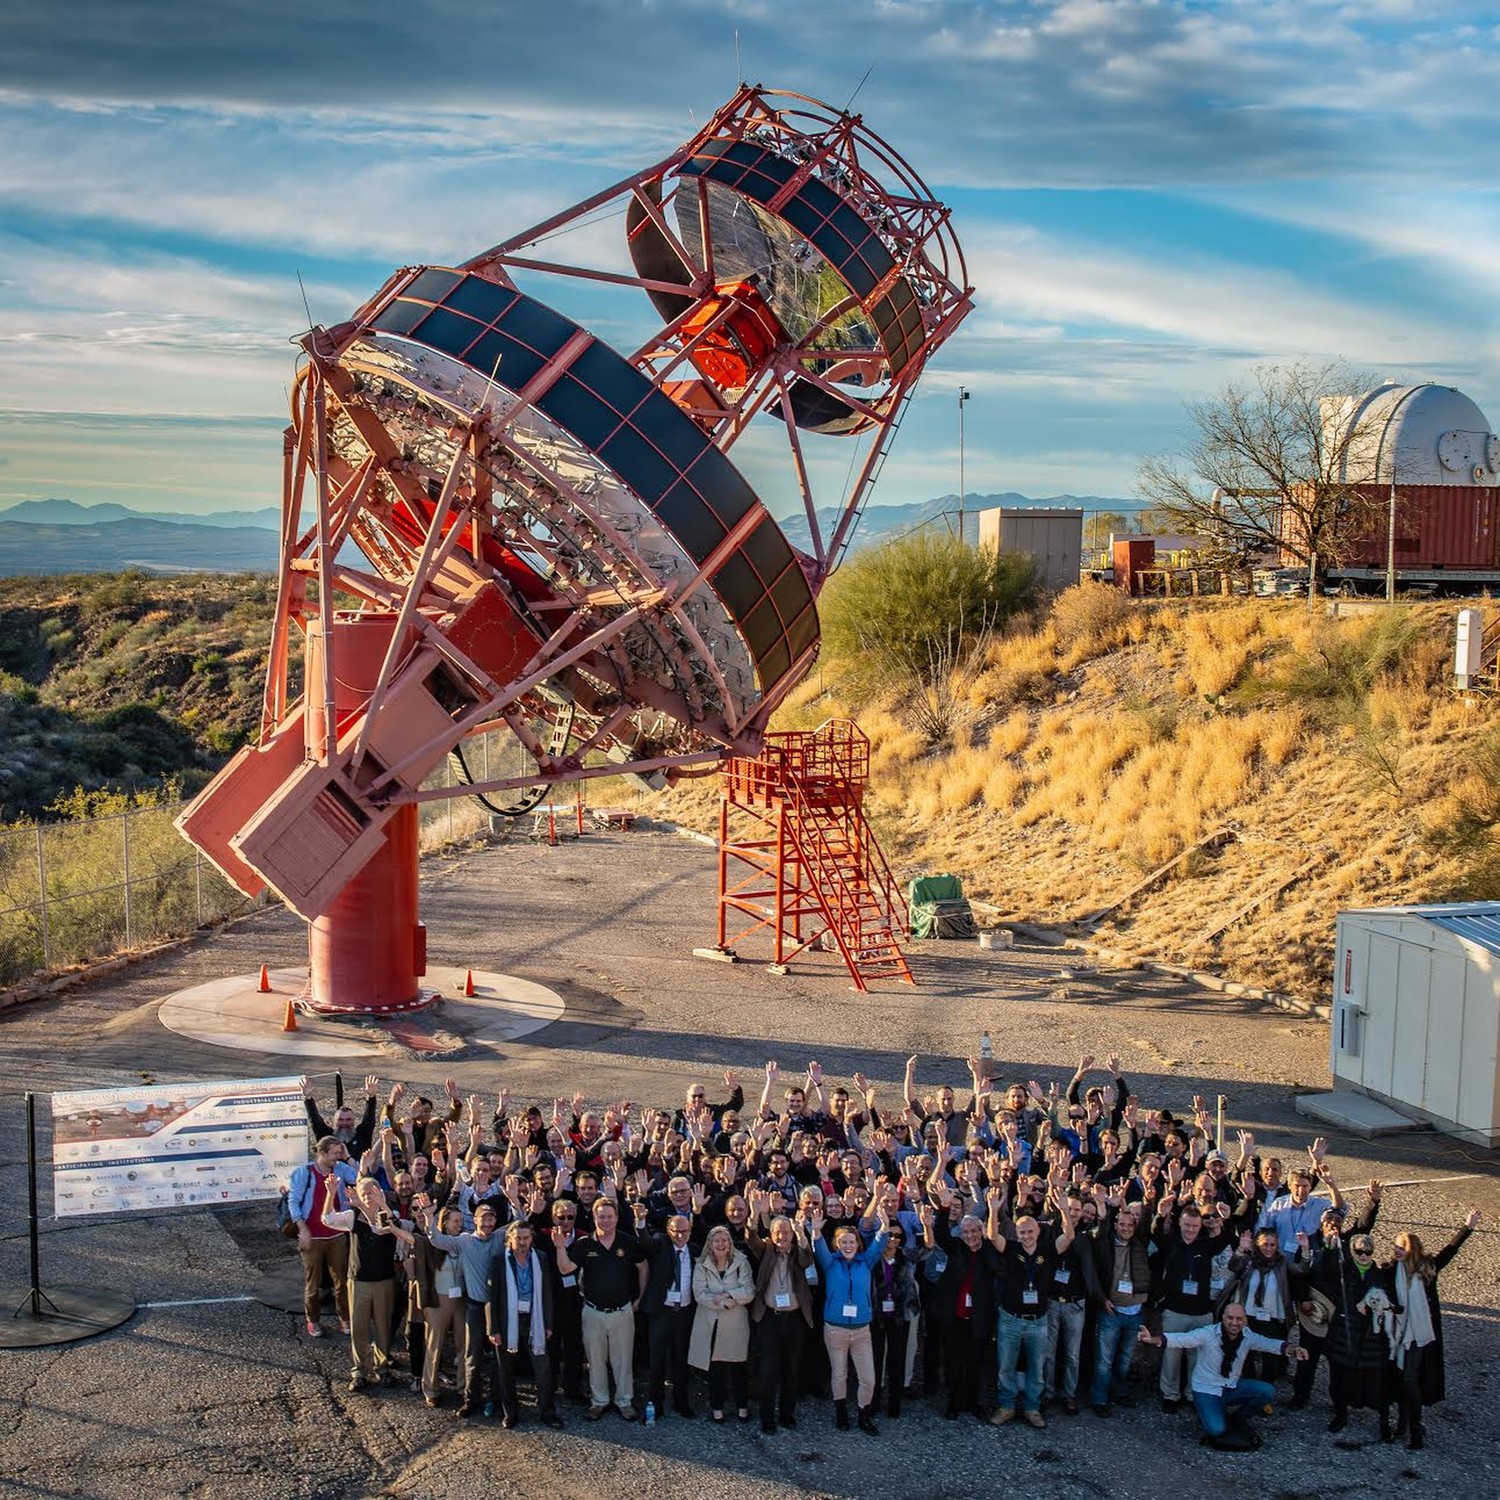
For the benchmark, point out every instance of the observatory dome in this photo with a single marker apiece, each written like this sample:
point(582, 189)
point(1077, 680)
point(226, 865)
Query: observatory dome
point(1413, 434)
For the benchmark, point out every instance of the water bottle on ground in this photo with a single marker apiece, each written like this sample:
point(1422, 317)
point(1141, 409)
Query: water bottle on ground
point(651, 1414)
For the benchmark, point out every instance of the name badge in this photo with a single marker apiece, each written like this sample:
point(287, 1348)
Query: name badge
point(887, 1305)
point(1189, 1288)
point(570, 1281)
point(1062, 1276)
point(783, 1300)
point(1125, 1288)
point(1029, 1296)
point(850, 1310)
point(674, 1298)
point(812, 1276)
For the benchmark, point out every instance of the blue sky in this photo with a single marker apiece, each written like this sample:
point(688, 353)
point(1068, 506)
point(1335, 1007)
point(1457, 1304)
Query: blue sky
point(1154, 196)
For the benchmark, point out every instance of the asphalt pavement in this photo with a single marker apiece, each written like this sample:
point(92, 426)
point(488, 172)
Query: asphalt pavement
point(207, 1392)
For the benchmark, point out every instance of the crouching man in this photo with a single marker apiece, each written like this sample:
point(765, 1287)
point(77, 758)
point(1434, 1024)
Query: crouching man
point(1219, 1394)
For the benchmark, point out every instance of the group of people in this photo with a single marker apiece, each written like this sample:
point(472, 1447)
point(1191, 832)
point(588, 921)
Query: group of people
point(1018, 1253)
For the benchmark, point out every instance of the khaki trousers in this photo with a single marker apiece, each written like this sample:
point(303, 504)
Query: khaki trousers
point(333, 1253)
point(372, 1303)
point(844, 1344)
point(609, 1344)
point(444, 1316)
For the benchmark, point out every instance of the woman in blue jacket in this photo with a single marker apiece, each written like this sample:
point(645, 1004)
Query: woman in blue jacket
point(848, 1312)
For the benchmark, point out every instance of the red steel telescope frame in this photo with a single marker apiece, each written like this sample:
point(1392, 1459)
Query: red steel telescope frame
point(551, 538)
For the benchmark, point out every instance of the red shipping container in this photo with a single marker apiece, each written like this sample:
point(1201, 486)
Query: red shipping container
point(1437, 526)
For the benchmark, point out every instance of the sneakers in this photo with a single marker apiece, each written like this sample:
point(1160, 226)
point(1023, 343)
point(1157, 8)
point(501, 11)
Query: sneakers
point(1034, 1419)
point(594, 1413)
point(1070, 1406)
point(1003, 1414)
point(343, 1325)
point(1170, 1404)
point(315, 1330)
point(356, 1382)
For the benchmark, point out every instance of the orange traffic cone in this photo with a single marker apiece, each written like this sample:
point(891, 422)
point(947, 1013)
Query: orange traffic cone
point(264, 987)
point(289, 1021)
point(469, 983)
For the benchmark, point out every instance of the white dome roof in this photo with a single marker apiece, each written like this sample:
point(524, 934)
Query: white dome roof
point(1430, 434)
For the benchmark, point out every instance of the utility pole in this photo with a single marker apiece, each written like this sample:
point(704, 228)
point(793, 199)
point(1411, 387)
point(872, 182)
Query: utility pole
point(963, 395)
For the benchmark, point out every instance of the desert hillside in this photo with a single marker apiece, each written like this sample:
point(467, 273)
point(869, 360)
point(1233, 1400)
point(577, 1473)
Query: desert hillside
point(1067, 760)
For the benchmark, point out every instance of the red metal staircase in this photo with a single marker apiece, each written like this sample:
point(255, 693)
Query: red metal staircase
point(806, 861)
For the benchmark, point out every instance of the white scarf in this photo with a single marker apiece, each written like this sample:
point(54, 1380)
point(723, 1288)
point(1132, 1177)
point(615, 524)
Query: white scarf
point(1413, 1326)
point(513, 1311)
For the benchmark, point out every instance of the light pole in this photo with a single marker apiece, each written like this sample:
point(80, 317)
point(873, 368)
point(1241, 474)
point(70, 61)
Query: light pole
point(963, 395)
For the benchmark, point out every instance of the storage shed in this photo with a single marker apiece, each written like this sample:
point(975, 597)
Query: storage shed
point(1416, 1012)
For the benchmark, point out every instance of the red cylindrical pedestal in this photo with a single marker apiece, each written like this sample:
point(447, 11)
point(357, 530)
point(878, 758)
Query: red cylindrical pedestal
point(367, 953)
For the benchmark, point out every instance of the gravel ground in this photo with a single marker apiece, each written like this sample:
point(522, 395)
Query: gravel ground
point(229, 1398)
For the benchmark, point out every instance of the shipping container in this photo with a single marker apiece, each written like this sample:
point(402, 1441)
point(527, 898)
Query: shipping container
point(1439, 527)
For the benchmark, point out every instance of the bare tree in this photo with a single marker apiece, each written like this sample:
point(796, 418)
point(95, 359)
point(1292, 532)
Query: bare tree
point(1277, 464)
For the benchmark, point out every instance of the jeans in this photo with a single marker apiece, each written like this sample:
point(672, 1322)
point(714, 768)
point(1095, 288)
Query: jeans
point(1214, 1411)
point(1174, 1362)
point(1012, 1336)
point(1064, 1342)
point(1114, 1348)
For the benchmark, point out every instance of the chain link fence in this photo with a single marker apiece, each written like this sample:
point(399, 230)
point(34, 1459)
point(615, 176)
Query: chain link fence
point(83, 889)
point(74, 891)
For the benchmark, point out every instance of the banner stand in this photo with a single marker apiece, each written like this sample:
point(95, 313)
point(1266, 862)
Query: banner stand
point(62, 1314)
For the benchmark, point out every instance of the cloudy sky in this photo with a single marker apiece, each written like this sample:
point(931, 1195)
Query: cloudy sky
point(1154, 196)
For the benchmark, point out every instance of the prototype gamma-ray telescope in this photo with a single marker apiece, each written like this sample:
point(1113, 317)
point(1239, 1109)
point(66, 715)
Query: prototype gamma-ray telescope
point(553, 538)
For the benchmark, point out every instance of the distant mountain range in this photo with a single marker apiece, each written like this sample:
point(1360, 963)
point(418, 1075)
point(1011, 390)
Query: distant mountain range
point(881, 522)
point(61, 536)
point(71, 513)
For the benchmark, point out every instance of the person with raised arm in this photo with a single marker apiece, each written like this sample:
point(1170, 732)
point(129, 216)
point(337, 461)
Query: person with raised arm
point(1028, 1264)
point(1416, 1337)
point(847, 1313)
point(374, 1235)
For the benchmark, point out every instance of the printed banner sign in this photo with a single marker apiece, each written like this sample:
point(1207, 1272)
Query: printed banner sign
point(175, 1145)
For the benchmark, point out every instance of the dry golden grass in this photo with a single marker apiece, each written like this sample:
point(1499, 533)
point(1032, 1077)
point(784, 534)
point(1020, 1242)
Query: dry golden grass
point(1112, 737)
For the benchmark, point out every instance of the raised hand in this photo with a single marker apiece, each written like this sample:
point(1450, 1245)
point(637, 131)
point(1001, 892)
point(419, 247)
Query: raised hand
point(1085, 1063)
point(1318, 1150)
point(1112, 1062)
point(1473, 1219)
point(815, 1072)
point(731, 1079)
point(372, 1085)
point(450, 1088)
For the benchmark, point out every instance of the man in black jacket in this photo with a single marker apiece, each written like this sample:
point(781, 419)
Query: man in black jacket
point(1180, 1288)
point(667, 1304)
point(357, 1138)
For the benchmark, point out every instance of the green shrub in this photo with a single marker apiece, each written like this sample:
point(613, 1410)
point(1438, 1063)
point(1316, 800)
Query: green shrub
point(902, 613)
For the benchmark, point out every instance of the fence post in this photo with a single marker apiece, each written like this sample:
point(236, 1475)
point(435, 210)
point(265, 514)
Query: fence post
point(448, 782)
point(41, 877)
point(198, 881)
point(125, 826)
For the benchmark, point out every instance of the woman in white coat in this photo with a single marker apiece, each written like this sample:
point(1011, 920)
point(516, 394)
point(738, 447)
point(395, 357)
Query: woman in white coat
point(723, 1289)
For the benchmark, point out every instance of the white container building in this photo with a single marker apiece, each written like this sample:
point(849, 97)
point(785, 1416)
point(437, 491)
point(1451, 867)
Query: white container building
point(1416, 1012)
